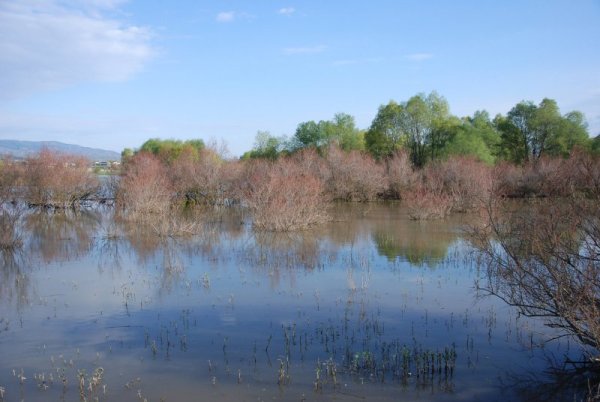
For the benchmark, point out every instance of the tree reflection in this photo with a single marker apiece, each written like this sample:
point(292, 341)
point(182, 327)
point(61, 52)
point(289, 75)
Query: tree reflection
point(15, 283)
point(62, 235)
point(570, 381)
point(418, 242)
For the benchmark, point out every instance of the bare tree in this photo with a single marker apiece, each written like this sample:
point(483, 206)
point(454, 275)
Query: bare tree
point(53, 179)
point(544, 259)
point(145, 188)
point(284, 196)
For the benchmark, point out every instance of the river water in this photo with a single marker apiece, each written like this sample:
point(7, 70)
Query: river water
point(371, 306)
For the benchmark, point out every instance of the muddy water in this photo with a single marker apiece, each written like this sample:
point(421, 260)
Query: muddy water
point(372, 306)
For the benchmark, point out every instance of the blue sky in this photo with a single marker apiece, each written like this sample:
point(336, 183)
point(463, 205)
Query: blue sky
point(113, 73)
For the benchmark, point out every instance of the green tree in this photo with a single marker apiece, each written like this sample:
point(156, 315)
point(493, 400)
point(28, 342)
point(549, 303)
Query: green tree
point(341, 130)
point(419, 124)
point(266, 146)
point(475, 136)
point(595, 145)
point(572, 132)
point(126, 154)
point(528, 131)
point(169, 150)
point(385, 134)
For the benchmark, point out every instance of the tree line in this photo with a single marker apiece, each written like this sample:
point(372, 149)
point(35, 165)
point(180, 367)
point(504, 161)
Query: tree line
point(424, 127)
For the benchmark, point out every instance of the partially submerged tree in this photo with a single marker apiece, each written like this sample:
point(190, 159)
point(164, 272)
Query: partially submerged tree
point(284, 195)
point(545, 260)
point(53, 179)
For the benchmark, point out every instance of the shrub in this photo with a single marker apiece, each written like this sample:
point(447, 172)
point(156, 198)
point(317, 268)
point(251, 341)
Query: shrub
point(544, 259)
point(402, 178)
point(354, 175)
point(427, 201)
point(583, 170)
point(466, 181)
point(10, 237)
point(10, 176)
point(145, 187)
point(53, 179)
point(283, 196)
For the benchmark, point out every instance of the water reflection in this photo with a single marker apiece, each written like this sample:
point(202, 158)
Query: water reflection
point(575, 381)
point(418, 242)
point(62, 235)
point(230, 314)
point(15, 281)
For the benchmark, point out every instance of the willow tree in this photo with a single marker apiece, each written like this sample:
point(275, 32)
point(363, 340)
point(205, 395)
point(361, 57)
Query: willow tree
point(417, 124)
point(531, 131)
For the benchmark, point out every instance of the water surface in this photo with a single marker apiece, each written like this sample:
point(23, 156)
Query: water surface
point(372, 306)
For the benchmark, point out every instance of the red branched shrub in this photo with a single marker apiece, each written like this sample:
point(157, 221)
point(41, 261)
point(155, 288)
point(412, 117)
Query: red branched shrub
point(402, 178)
point(53, 179)
point(145, 187)
point(197, 177)
point(309, 161)
point(354, 175)
point(583, 171)
point(283, 196)
point(457, 184)
point(467, 181)
point(11, 173)
point(506, 180)
point(427, 201)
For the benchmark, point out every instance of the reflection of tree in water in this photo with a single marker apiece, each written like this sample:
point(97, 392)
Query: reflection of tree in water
point(275, 253)
point(566, 382)
point(15, 282)
point(62, 235)
point(419, 242)
point(165, 246)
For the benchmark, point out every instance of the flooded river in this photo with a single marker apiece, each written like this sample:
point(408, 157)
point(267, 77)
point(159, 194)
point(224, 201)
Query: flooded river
point(371, 306)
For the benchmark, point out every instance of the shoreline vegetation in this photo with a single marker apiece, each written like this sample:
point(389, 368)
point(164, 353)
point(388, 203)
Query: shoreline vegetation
point(414, 151)
point(543, 257)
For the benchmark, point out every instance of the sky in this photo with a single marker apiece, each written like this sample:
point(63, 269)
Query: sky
point(113, 73)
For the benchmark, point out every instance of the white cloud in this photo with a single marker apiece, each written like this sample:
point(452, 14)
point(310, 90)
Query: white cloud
point(350, 62)
point(230, 16)
point(51, 44)
point(304, 50)
point(286, 11)
point(419, 56)
point(225, 16)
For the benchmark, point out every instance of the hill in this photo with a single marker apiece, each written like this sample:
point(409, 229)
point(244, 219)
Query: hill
point(21, 149)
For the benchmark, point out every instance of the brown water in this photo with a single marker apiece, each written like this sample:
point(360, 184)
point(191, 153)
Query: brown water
point(372, 306)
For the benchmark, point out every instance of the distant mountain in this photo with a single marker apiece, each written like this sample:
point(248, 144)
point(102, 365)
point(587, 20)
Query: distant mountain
point(21, 149)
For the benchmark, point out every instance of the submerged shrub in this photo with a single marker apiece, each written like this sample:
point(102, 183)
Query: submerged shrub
point(354, 175)
point(53, 179)
point(468, 182)
point(283, 196)
point(10, 237)
point(197, 177)
point(145, 188)
point(402, 178)
point(427, 201)
point(544, 259)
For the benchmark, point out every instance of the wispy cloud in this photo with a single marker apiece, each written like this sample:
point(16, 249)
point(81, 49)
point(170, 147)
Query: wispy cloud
point(231, 16)
point(53, 44)
point(304, 50)
point(286, 11)
point(419, 56)
point(350, 62)
point(226, 16)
